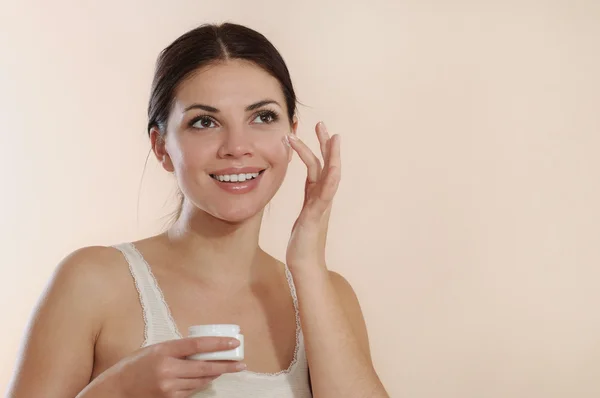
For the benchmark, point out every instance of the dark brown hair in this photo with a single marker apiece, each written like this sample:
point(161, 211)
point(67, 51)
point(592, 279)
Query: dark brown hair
point(205, 45)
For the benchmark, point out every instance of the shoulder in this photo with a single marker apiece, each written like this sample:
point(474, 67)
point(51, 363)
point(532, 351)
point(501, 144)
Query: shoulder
point(87, 265)
point(346, 294)
point(342, 286)
point(83, 278)
point(57, 352)
point(88, 256)
point(352, 309)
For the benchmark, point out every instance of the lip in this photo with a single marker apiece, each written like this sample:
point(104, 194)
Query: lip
point(237, 170)
point(239, 188)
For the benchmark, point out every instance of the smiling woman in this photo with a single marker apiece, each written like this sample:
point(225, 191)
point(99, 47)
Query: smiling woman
point(230, 118)
point(222, 120)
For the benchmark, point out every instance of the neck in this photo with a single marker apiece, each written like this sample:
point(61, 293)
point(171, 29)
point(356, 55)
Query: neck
point(217, 250)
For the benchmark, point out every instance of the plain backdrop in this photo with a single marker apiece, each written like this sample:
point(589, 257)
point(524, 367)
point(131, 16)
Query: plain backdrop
point(468, 216)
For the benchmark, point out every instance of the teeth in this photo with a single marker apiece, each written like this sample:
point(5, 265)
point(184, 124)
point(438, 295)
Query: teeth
point(235, 177)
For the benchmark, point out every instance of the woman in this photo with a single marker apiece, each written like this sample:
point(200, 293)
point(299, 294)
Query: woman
point(222, 120)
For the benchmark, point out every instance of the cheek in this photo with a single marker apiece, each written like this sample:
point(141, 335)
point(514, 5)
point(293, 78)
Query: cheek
point(189, 156)
point(274, 149)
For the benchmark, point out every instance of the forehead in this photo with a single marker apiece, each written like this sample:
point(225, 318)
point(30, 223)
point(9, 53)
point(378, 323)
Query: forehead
point(229, 83)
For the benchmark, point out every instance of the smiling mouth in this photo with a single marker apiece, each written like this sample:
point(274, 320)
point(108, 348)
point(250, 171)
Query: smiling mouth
point(236, 178)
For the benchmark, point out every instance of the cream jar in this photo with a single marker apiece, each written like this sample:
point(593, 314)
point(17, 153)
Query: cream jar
point(219, 330)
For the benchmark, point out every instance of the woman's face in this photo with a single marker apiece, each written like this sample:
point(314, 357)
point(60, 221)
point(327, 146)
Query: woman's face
point(225, 139)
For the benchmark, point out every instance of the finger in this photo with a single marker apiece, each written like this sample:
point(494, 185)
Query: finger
point(311, 161)
point(193, 385)
point(323, 136)
point(332, 174)
point(188, 368)
point(334, 158)
point(181, 348)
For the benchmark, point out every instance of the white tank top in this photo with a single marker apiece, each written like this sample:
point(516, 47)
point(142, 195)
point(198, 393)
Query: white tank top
point(292, 382)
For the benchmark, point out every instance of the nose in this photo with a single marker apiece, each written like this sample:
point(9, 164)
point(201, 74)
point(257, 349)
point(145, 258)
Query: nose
point(236, 143)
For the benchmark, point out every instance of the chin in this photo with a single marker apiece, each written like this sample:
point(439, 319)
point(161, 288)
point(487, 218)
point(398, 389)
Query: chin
point(237, 216)
point(233, 210)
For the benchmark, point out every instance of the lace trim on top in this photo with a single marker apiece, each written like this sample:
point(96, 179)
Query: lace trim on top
point(173, 326)
point(171, 322)
point(292, 287)
point(145, 309)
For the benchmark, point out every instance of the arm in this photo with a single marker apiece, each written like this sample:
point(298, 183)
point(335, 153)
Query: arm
point(335, 334)
point(57, 358)
point(57, 354)
point(336, 338)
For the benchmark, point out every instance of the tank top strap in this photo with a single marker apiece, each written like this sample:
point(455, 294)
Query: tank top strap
point(292, 286)
point(158, 323)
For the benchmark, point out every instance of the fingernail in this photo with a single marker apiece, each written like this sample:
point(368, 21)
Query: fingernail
point(286, 141)
point(233, 343)
point(240, 366)
point(292, 137)
point(323, 126)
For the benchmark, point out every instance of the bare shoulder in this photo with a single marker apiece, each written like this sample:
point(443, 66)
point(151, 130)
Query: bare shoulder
point(343, 288)
point(352, 309)
point(80, 284)
point(57, 352)
point(88, 269)
point(88, 261)
point(92, 276)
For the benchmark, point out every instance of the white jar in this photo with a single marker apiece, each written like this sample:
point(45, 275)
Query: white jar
point(236, 354)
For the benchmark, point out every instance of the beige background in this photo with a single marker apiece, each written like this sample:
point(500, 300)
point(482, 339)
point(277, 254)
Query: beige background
point(468, 218)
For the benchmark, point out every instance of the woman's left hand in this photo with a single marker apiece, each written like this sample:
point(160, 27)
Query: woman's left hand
point(306, 246)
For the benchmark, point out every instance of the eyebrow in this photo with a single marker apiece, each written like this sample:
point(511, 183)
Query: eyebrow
point(249, 108)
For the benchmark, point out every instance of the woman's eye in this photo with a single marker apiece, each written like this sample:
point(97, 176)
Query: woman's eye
point(203, 122)
point(265, 117)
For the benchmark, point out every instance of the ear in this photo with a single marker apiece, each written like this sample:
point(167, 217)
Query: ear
point(159, 148)
point(293, 131)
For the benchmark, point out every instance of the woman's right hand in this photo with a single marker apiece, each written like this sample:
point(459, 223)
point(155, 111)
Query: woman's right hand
point(162, 370)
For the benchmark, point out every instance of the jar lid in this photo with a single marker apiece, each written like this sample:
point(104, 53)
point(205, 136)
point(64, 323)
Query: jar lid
point(214, 330)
